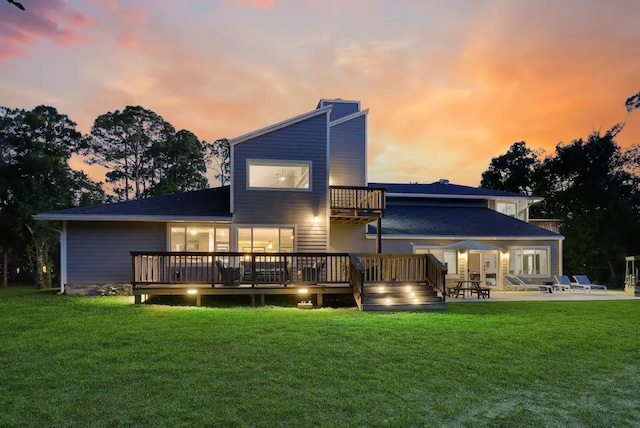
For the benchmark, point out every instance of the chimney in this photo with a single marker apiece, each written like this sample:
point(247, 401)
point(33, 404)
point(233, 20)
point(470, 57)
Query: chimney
point(443, 181)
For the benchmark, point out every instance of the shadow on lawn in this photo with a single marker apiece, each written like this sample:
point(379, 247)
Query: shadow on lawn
point(284, 301)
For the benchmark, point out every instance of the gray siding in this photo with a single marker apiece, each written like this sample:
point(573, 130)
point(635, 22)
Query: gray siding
point(347, 238)
point(98, 252)
point(340, 108)
point(348, 153)
point(303, 141)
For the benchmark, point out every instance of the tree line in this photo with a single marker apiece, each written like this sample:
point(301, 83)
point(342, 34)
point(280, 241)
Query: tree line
point(143, 154)
point(592, 186)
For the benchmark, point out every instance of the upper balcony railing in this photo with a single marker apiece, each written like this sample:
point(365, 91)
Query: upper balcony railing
point(352, 203)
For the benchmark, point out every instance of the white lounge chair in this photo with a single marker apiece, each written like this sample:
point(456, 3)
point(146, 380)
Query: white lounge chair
point(517, 284)
point(584, 280)
point(541, 287)
point(564, 283)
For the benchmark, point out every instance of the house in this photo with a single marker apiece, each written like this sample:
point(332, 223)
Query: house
point(301, 216)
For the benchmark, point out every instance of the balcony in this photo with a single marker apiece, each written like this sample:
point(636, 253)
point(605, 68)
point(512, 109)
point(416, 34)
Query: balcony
point(356, 205)
point(552, 225)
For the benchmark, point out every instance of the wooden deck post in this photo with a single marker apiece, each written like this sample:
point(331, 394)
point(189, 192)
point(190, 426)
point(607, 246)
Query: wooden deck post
point(319, 300)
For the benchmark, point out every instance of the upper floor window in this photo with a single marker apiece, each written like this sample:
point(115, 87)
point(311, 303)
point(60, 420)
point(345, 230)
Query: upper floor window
point(267, 174)
point(507, 208)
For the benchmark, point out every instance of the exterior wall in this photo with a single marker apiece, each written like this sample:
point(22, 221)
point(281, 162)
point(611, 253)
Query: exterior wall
point(348, 153)
point(340, 108)
point(350, 239)
point(98, 252)
point(406, 246)
point(302, 141)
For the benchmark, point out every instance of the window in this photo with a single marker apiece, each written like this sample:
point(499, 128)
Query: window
point(529, 261)
point(199, 238)
point(507, 208)
point(266, 239)
point(449, 258)
point(279, 174)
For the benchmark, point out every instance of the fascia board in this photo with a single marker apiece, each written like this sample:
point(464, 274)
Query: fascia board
point(349, 117)
point(135, 218)
point(279, 125)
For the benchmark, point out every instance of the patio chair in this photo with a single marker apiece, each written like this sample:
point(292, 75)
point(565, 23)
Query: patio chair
point(564, 283)
point(517, 284)
point(584, 280)
point(543, 288)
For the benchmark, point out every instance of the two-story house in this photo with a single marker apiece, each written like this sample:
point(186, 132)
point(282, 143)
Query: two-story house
point(300, 216)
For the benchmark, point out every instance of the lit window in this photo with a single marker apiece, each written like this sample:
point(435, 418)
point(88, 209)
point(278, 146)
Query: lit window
point(507, 208)
point(529, 261)
point(199, 238)
point(449, 258)
point(279, 175)
point(266, 239)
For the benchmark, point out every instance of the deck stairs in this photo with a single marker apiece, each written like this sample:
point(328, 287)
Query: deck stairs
point(399, 297)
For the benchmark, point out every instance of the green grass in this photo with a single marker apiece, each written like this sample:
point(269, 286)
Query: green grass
point(101, 361)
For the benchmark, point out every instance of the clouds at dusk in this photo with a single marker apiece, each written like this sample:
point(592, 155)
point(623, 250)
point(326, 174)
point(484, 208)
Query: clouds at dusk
point(449, 84)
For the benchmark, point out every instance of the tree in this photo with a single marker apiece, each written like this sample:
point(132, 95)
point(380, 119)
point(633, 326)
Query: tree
point(35, 177)
point(121, 141)
point(513, 171)
point(588, 188)
point(633, 102)
point(178, 164)
point(220, 155)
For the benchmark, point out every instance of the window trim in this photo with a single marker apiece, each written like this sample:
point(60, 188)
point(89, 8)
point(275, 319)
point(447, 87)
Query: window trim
point(514, 203)
point(546, 248)
point(265, 226)
point(279, 162)
point(186, 226)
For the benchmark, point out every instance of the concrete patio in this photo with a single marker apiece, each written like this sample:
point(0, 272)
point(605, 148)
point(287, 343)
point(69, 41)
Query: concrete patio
point(535, 296)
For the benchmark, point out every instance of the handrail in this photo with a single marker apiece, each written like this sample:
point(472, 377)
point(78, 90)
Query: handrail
point(437, 275)
point(356, 275)
point(357, 197)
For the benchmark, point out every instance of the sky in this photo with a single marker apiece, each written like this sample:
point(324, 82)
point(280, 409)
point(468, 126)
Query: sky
point(450, 84)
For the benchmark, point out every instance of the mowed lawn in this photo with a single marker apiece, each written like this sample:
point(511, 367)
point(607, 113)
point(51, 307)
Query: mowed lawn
point(101, 361)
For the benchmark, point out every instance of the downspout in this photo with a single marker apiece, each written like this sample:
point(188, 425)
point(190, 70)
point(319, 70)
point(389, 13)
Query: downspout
point(63, 254)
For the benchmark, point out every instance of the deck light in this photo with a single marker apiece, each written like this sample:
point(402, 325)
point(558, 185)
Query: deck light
point(303, 291)
point(387, 301)
point(381, 289)
point(412, 294)
point(409, 288)
point(416, 301)
point(192, 291)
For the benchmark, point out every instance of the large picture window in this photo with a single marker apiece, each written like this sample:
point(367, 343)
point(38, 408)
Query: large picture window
point(264, 174)
point(199, 238)
point(266, 239)
point(529, 261)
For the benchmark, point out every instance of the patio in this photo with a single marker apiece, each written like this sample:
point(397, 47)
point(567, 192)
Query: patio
point(533, 296)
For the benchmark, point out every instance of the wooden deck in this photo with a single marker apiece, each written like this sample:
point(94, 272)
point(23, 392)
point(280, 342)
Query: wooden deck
point(377, 281)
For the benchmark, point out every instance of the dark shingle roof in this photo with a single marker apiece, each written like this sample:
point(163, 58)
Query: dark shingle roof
point(200, 203)
point(438, 188)
point(455, 221)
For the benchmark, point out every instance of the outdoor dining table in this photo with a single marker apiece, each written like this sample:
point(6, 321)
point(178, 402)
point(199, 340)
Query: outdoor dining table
point(466, 288)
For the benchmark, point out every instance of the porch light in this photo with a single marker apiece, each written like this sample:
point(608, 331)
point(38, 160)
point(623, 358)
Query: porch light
point(303, 291)
point(193, 232)
point(270, 245)
point(192, 291)
point(316, 220)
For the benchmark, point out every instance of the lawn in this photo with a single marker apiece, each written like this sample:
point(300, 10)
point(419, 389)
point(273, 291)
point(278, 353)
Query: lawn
point(101, 361)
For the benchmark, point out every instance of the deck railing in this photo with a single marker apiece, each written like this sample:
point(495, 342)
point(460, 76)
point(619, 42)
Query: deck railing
point(229, 268)
point(284, 269)
point(357, 198)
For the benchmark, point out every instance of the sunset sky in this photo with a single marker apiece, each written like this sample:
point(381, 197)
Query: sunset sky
point(449, 83)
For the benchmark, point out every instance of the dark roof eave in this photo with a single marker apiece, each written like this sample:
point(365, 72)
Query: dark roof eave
point(131, 218)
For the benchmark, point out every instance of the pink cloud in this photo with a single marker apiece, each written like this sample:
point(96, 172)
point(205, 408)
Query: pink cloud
point(257, 3)
point(129, 40)
point(135, 15)
point(43, 20)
